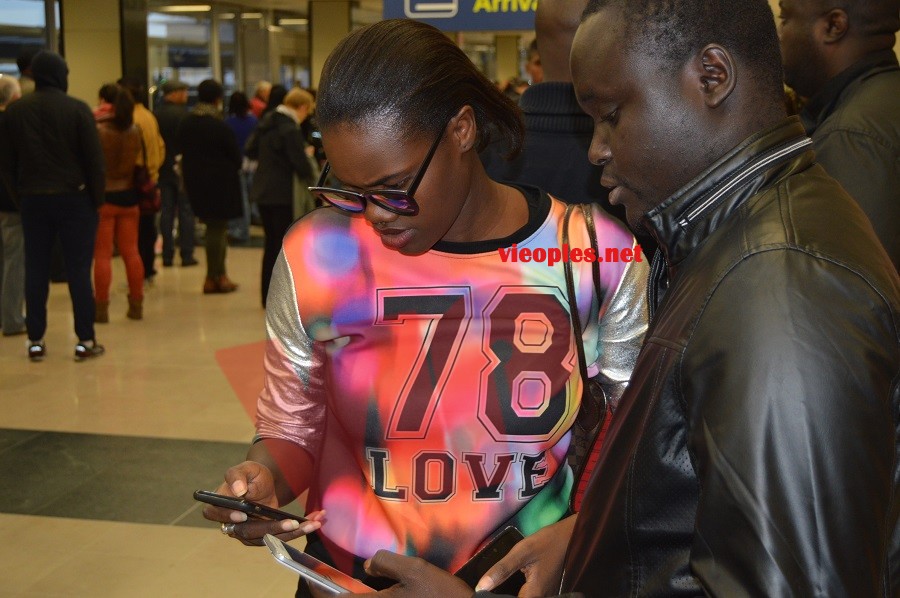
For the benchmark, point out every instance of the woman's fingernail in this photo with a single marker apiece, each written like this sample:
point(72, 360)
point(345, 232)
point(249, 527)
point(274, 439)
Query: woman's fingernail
point(239, 488)
point(309, 527)
point(485, 583)
point(238, 517)
point(290, 525)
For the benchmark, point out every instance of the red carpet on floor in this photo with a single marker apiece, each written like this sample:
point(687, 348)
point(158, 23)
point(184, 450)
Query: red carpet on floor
point(243, 367)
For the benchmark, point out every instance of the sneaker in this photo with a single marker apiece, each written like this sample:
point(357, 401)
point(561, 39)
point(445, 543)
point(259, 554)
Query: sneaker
point(88, 349)
point(36, 350)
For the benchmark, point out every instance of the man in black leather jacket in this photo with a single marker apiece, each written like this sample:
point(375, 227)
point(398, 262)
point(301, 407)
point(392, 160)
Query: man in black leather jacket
point(755, 451)
point(841, 57)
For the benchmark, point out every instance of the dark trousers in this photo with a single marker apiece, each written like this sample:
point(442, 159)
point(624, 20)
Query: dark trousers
point(216, 247)
point(147, 243)
point(175, 204)
point(276, 221)
point(74, 219)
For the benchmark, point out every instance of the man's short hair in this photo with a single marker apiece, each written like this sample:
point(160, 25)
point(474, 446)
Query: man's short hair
point(868, 17)
point(210, 91)
point(673, 30)
point(9, 89)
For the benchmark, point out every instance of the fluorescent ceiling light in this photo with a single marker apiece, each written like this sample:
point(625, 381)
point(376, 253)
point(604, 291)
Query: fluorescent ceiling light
point(226, 16)
point(185, 8)
point(293, 21)
point(251, 15)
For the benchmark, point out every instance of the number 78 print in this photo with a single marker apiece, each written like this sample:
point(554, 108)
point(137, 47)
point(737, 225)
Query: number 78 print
point(523, 389)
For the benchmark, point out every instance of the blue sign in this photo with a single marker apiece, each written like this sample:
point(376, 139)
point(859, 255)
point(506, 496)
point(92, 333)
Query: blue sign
point(466, 15)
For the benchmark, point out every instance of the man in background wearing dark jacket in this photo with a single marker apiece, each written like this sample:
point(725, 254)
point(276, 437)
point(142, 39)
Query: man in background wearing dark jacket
point(840, 55)
point(283, 163)
point(557, 131)
point(754, 452)
point(211, 162)
point(169, 114)
point(54, 164)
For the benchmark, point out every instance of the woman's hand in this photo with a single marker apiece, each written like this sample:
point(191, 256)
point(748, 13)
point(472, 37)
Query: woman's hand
point(540, 557)
point(253, 481)
point(415, 578)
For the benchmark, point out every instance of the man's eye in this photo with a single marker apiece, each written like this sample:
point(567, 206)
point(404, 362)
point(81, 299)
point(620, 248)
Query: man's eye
point(611, 117)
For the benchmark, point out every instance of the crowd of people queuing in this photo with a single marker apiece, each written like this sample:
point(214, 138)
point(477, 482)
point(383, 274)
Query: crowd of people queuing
point(428, 394)
point(71, 186)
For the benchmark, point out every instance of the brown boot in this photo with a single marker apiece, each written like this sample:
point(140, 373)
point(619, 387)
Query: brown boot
point(225, 285)
point(101, 311)
point(135, 309)
point(210, 286)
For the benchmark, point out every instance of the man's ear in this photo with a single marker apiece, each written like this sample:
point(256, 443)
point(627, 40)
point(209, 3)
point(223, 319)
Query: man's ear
point(463, 128)
point(716, 74)
point(835, 24)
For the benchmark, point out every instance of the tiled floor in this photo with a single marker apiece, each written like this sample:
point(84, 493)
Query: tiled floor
point(99, 459)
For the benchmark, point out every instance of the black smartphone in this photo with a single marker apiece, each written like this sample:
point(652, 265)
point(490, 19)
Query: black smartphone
point(252, 509)
point(496, 548)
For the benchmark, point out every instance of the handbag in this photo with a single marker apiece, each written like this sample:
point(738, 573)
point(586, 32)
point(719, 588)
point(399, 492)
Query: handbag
point(592, 419)
point(148, 195)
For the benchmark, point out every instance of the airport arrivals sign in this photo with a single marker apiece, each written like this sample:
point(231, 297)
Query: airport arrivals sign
point(466, 15)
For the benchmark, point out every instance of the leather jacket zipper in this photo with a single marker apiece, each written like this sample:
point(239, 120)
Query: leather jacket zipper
point(764, 162)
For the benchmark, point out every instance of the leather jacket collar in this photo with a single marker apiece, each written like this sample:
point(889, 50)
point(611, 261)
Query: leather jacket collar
point(687, 218)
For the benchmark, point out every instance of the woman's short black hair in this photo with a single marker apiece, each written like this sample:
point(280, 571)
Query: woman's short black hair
point(414, 75)
point(210, 91)
point(238, 104)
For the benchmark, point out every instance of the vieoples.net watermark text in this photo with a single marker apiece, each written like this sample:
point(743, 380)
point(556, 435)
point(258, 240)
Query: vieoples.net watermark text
point(555, 255)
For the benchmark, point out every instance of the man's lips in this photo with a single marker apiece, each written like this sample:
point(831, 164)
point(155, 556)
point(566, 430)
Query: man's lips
point(615, 190)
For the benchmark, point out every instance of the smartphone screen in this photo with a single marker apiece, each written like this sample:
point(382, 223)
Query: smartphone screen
point(252, 509)
point(487, 557)
point(315, 571)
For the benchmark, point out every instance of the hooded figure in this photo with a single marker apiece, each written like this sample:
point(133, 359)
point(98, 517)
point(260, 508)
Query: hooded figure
point(53, 161)
point(50, 70)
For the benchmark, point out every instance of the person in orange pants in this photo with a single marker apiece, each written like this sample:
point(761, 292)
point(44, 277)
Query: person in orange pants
point(119, 214)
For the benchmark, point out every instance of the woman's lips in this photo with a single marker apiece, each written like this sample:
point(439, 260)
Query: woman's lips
point(396, 238)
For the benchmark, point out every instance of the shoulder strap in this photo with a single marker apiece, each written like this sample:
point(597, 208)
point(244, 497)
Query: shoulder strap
point(589, 415)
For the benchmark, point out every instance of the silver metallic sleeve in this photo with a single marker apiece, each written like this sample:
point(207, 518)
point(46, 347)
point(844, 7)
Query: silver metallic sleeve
point(292, 405)
point(623, 324)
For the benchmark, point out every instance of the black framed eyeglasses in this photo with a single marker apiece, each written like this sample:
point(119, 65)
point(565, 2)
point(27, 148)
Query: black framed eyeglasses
point(398, 201)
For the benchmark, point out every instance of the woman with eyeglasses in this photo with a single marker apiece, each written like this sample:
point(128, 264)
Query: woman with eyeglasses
point(421, 371)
